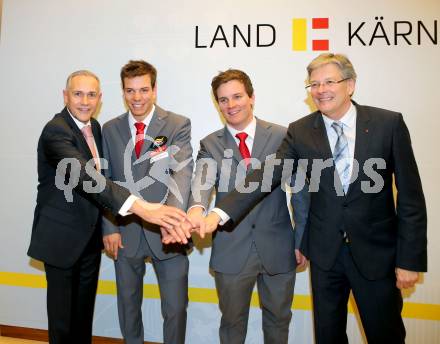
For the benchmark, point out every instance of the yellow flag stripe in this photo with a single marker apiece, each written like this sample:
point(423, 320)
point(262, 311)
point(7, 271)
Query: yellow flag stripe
point(422, 311)
point(299, 34)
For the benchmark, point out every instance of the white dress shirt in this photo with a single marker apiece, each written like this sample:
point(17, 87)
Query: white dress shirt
point(146, 121)
point(249, 130)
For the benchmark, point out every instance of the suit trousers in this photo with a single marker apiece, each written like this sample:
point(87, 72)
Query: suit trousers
point(172, 275)
point(71, 297)
point(379, 303)
point(235, 292)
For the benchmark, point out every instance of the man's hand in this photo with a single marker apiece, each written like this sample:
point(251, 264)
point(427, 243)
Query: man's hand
point(178, 234)
point(166, 237)
point(112, 243)
point(301, 260)
point(194, 221)
point(162, 215)
point(210, 224)
point(406, 278)
point(197, 218)
point(168, 218)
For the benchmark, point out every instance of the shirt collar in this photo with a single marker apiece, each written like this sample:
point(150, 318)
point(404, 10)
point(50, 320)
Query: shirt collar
point(348, 120)
point(79, 124)
point(249, 129)
point(146, 121)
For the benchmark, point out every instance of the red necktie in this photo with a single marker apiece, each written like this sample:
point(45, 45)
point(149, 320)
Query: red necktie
point(140, 136)
point(88, 135)
point(243, 148)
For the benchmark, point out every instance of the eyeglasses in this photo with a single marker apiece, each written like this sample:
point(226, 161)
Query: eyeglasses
point(327, 84)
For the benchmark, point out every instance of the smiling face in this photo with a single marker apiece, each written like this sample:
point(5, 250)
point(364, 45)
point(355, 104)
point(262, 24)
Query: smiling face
point(235, 104)
point(333, 101)
point(139, 95)
point(82, 97)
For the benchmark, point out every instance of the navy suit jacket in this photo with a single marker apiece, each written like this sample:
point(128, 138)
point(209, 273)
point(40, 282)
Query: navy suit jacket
point(383, 234)
point(61, 229)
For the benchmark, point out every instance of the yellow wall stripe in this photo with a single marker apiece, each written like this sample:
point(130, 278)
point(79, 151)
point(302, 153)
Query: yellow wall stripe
point(299, 34)
point(16, 279)
point(411, 310)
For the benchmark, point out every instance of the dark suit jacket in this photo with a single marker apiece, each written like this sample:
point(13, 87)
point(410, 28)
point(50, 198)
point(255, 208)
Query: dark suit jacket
point(382, 235)
point(268, 224)
point(61, 230)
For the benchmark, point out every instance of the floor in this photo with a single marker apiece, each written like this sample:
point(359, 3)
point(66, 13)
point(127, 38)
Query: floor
point(8, 340)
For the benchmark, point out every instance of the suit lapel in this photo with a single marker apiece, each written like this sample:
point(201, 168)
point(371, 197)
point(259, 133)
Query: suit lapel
point(320, 137)
point(229, 142)
point(361, 144)
point(97, 136)
point(261, 139)
point(157, 122)
point(125, 134)
point(83, 146)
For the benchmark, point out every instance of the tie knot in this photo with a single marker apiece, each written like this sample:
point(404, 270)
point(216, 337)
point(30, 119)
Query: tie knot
point(140, 126)
point(241, 136)
point(87, 131)
point(338, 127)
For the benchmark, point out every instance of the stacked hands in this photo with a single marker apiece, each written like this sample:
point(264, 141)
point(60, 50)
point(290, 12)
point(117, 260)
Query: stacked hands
point(194, 222)
point(176, 226)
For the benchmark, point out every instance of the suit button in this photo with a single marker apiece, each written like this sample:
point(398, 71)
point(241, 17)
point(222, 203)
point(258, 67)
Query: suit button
point(345, 205)
point(253, 226)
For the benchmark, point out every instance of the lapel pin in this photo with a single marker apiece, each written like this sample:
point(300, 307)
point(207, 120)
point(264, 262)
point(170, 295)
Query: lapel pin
point(159, 143)
point(366, 130)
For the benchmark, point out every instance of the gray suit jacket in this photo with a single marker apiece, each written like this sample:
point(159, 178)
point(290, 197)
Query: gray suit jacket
point(268, 224)
point(160, 178)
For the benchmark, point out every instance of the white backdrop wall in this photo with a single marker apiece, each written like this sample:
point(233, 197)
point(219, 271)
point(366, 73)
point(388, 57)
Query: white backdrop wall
point(43, 41)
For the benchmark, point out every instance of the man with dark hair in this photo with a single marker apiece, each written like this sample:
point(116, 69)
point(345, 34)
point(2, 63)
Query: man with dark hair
point(262, 248)
point(136, 68)
point(149, 149)
point(66, 233)
point(357, 239)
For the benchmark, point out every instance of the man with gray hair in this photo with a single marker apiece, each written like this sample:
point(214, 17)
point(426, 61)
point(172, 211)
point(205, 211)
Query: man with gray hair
point(358, 239)
point(66, 232)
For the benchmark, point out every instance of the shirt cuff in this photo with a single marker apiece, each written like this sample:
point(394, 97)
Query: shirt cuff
point(198, 206)
point(225, 217)
point(125, 209)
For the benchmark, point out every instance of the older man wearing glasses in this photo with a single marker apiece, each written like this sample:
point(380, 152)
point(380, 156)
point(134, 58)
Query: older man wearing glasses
point(358, 239)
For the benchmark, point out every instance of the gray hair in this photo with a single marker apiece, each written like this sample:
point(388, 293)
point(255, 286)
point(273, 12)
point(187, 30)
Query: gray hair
point(341, 61)
point(80, 73)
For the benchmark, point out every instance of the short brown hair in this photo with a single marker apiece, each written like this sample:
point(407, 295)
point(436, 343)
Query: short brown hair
point(136, 68)
point(229, 75)
point(339, 60)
